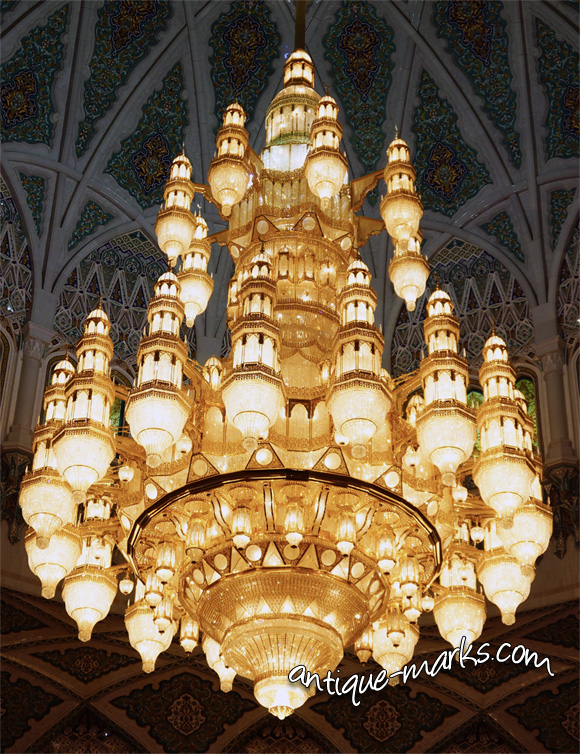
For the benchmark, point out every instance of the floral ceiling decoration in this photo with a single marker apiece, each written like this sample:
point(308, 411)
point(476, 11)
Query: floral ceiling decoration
point(141, 166)
point(569, 292)
point(359, 46)
point(560, 202)
point(245, 43)
point(15, 265)
point(481, 289)
point(448, 170)
point(476, 36)
point(558, 69)
point(26, 92)
point(34, 187)
point(91, 217)
point(124, 34)
point(502, 229)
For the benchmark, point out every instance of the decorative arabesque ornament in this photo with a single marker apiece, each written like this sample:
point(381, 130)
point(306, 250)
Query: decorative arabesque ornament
point(289, 500)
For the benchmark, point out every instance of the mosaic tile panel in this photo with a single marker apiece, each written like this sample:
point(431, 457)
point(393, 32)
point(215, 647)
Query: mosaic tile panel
point(561, 708)
point(86, 664)
point(123, 273)
point(25, 94)
point(559, 204)
point(91, 217)
point(245, 43)
point(502, 229)
point(86, 730)
point(183, 706)
point(14, 621)
point(569, 292)
point(476, 36)
point(124, 33)
point(34, 186)
point(21, 702)
point(562, 633)
point(15, 265)
point(142, 164)
point(7, 5)
point(392, 720)
point(359, 46)
point(558, 68)
point(482, 290)
point(448, 170)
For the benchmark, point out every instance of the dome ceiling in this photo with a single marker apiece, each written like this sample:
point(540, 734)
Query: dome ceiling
point(98, 97)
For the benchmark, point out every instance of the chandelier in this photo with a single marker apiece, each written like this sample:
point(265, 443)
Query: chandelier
point(289, 500)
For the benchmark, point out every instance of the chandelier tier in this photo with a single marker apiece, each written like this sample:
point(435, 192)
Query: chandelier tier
point(291, 499)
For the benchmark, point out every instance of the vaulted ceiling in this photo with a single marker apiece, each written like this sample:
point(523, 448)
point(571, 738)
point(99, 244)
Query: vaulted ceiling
point(97, 98)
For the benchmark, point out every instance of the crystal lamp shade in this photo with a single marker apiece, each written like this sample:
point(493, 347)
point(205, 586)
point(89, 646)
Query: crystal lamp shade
point(253, 403)
point(409, 272)
point(88, 593)
point(83, 455)
point(504, 482)
point(504, 582)
point(447, 438)
point(174, 228)
point(250, 616)
point(144, 635)
point(358, 410)
point(325, 173)
point(530, 534)
point(51, 564)
point(228, 178)
point(196, 289)
point(460, 612)
point(47, 503)
point(156, 418)
point(393, 652)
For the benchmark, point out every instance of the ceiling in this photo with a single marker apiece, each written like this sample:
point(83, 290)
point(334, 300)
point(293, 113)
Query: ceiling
point(98, 98)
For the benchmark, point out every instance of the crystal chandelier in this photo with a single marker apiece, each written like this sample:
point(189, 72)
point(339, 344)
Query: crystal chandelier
point(289, 500)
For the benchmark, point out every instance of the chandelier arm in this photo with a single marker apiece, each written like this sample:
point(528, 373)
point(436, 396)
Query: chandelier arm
point(269, 508)
point(320, 510)
point(365, 227)
point(360, 187)
point(218, 512)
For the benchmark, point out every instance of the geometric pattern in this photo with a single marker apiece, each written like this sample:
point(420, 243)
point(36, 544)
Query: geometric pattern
point(85, 730)
point(563, 633)
point(91, 217)
point(123, 273)
point(124, 34)
point(448, 172)
point(359, 47)
point(569, 292)
point(502, 229)
point(13, 621)
point(559, 203)
point(86, 664)
point(141, 166)
point(483, 291)
point(34, 185)
point(391, 720)
point(181, 706)
point(244, 42)
point(479, 735)
point(290, 735)
point(486, 676)
point(21, 701)
point(476, 36)
point(561, 708)
point(558, 66)
point(25, 93)
point(15, 265)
